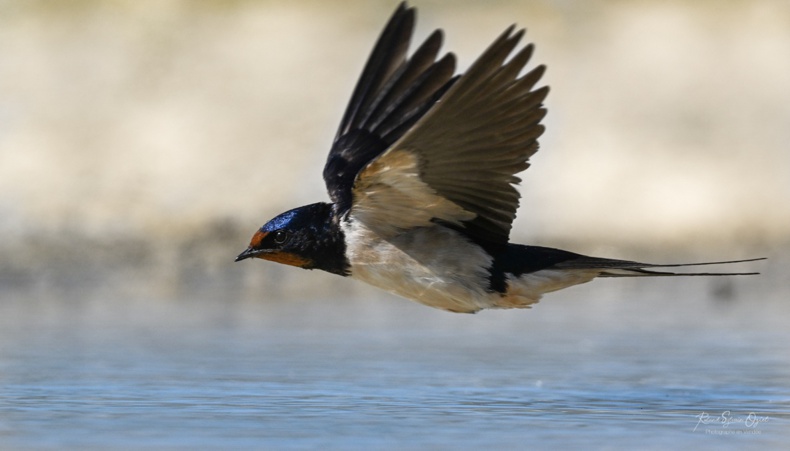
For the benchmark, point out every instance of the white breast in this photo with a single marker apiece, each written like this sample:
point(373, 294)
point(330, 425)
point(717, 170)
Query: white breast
point(435, 266)
point(439, 267)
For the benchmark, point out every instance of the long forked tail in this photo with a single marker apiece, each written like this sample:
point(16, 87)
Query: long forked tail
point(624, 268)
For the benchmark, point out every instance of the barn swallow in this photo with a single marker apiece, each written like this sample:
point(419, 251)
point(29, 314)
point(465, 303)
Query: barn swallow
point(421, 175)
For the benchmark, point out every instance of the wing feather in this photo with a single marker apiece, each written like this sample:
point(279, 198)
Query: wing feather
point(392, 94)
point(418, 144)
point(387, 55)
point(487, 124)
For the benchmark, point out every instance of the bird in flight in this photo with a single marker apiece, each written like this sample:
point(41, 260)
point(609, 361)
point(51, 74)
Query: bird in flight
point(421, 175)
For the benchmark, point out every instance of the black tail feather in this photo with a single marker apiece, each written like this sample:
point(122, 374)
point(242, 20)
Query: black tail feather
point(618, 268)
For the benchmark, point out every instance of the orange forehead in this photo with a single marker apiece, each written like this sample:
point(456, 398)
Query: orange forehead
point(286, 258)
point(257, 239)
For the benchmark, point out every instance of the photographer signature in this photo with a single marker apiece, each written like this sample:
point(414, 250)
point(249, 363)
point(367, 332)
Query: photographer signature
point(727, 418)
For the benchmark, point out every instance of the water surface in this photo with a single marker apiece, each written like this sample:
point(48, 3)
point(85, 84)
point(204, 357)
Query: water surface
point(590, 369)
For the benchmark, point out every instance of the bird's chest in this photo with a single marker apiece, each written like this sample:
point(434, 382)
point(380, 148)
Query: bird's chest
point(435, 266)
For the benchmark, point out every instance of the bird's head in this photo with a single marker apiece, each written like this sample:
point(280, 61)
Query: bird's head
point(306, 237)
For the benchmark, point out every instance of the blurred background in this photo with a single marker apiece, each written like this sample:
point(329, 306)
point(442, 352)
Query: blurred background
point(143, 142)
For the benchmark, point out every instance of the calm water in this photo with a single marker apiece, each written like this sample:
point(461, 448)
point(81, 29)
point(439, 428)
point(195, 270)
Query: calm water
point(588, 369)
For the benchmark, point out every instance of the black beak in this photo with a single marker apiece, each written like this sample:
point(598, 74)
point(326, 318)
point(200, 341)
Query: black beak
point(248, 253)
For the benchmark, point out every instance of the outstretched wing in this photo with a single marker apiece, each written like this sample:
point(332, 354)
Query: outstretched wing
point(457, 164)
point(392, 94)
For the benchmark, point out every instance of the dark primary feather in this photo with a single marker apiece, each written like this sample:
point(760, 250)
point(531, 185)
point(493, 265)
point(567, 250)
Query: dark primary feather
point(388, 53)
point(392, 94)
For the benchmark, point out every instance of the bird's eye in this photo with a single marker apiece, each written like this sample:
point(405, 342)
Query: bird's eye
point(280, 236)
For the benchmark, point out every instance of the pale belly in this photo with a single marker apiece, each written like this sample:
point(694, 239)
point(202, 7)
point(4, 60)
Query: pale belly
point(438, 267)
